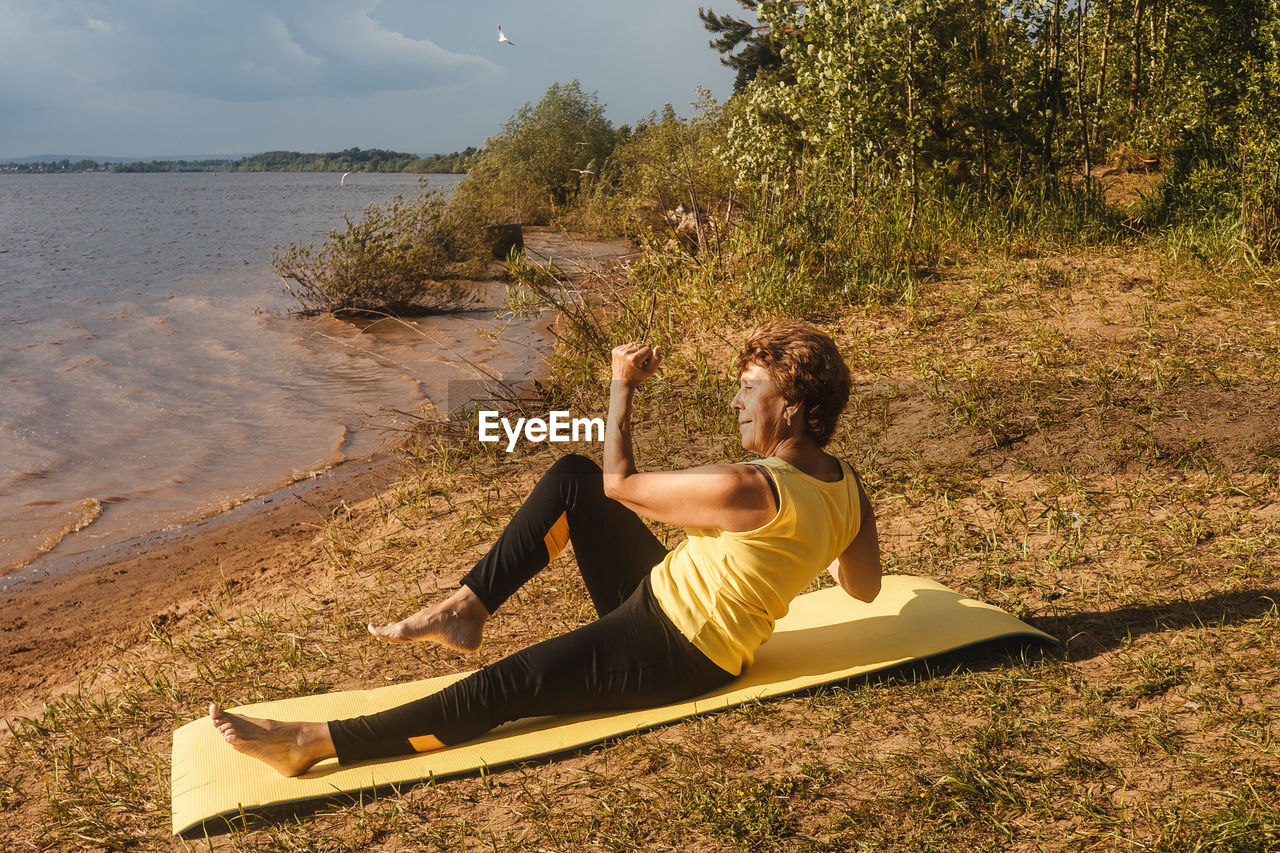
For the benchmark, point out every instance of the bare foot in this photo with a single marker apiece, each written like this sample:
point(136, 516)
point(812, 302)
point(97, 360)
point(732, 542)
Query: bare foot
point(456, 622)
point(291, 748)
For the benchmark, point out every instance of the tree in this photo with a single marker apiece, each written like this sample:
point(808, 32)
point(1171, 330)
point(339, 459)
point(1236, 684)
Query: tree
point(1260, 142)
point(538, 162)
point(890, 91)
point(757, 49)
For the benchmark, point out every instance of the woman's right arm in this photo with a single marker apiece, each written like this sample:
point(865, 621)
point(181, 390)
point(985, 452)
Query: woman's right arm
point(728, 497)
point(857, 569)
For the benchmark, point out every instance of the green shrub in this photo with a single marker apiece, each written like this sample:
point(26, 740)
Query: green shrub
point(668, 163)
point(541, 160)
point(406, 257)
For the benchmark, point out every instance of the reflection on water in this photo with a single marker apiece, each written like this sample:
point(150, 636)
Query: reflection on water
point(150, 372)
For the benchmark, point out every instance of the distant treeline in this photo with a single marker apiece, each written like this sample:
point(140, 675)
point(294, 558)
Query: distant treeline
point(350, 160)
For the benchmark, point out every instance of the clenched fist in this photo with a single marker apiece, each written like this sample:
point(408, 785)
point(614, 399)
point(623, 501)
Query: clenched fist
point(634, 363)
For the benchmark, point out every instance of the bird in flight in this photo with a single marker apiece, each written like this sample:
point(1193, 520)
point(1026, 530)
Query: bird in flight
point(343, 182)
point(502, 37)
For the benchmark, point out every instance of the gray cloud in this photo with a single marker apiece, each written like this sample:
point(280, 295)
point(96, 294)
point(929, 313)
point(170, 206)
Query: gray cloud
point(177, 77)
point(235, 50)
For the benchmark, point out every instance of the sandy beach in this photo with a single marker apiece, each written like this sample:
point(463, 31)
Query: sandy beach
point(56, 632)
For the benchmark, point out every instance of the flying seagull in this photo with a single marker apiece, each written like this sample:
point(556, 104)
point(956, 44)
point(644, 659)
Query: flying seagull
point(343, 182)
point(502, 37)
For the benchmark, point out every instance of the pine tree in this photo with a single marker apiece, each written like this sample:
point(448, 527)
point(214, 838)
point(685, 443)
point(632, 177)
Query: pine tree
point(759, 52)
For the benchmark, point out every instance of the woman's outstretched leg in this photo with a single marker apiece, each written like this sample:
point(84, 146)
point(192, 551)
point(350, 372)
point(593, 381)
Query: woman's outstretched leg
point(633, 657)
point(614, 550)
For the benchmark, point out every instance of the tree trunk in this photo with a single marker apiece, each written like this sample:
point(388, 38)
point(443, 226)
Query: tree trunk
point(1082, 9)
point(982, 55)
point(911, 125)
point(1102, 78)
point(1135, 49)
point(1245, 231)
point(1152, 51)
point(1053, 84)
point(1164, 44)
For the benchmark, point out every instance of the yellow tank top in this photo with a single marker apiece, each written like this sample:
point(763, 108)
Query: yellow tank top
point(724, 590)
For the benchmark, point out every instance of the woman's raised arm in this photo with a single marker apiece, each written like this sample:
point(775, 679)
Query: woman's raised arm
point(728, 497)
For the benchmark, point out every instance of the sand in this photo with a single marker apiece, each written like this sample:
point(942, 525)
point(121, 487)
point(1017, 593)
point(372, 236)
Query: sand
point(57, 630)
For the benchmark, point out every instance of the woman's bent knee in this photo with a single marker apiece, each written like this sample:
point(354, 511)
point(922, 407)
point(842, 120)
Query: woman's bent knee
point(575, 463)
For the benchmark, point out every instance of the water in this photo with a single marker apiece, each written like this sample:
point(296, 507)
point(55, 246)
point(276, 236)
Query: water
point(150, 373)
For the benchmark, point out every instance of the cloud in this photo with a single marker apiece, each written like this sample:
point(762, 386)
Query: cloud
point(235, 50)
point(180, 77)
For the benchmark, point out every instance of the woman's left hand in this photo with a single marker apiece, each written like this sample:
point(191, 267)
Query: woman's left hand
point(634, 363)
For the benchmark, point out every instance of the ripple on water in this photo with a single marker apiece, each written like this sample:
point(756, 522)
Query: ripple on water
point(178, 391)
point(36, 529)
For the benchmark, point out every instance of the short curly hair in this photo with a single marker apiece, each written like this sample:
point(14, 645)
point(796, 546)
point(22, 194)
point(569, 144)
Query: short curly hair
point(807, 369)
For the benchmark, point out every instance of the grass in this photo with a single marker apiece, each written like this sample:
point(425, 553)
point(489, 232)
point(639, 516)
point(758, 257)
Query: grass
point(1084, 437)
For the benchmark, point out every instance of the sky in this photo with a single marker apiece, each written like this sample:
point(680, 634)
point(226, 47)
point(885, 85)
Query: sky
point(190, 78)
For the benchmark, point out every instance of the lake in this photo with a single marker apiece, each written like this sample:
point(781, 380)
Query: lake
point(151, 372)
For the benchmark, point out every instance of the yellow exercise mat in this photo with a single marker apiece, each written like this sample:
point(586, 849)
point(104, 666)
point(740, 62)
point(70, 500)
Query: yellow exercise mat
point(826, 637)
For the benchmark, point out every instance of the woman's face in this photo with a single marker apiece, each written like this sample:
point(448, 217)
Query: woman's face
point(760, 409)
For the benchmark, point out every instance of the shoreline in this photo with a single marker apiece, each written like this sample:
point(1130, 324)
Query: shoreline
point(57, 629)
point(61, 625)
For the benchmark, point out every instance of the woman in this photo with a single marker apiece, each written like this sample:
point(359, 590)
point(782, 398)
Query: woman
point(672, 625)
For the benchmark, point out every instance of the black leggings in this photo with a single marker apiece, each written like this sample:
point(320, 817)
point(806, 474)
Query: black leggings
point(631, 657)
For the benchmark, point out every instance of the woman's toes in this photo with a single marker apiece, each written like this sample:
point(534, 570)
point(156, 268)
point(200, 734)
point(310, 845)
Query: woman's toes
point(386, 632)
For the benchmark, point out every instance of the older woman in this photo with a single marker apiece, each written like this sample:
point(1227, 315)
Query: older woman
point(672, 625)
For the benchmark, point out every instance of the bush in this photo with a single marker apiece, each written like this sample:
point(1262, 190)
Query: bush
point(667, 164)
point(402, 258)
point(542, 158)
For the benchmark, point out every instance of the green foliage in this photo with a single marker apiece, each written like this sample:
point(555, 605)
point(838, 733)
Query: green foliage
point(1260, 142)
point(992, 94)
point(743, 46)
point(887, 91)
point(1201, 184)
point(662, 176)
point(401, 258)
point(545, 154)
point(810, 245)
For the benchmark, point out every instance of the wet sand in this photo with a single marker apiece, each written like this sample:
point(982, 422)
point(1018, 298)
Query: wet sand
point(62, 628)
